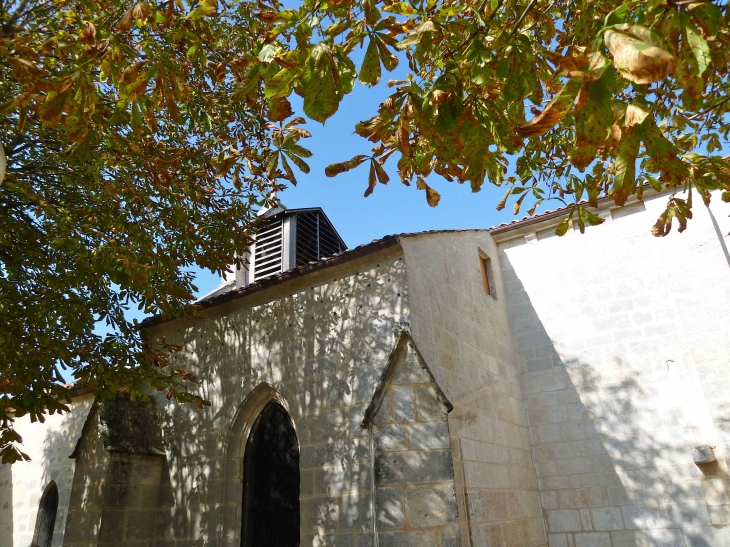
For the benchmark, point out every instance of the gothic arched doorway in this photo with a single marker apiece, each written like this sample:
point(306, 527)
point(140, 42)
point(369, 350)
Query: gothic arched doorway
point(46, 519)
point(271, 482)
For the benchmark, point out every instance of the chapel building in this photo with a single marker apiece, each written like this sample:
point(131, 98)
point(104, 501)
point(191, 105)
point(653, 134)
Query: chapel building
point(501, 387)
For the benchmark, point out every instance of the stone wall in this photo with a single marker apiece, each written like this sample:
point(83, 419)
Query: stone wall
point(415, 498)
point(464, 336)
point(322, 342)
point(118, 481)
point(21, 485)
point(623, 342)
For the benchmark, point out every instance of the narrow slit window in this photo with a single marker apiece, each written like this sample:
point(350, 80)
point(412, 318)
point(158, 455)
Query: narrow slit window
point(487, 278)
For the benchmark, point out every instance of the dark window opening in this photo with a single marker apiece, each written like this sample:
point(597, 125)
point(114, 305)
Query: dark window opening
point(271, 482)
point(46, 519)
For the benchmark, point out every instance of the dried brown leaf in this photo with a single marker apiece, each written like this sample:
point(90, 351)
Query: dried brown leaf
point(126, 22)
point(553, 113)
point(88, 34)
point(279, 109)
point(614, 137)
point(638, 61)
point(141, 10)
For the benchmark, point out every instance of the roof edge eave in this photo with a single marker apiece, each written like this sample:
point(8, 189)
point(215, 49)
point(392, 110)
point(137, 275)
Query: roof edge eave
point(290, 275)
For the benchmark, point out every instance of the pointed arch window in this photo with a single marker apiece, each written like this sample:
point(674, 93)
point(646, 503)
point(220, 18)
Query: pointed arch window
point(46, 519)
point(270, 515)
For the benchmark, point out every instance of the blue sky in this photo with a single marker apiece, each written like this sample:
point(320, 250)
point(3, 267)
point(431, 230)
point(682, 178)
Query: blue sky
point(392, 208)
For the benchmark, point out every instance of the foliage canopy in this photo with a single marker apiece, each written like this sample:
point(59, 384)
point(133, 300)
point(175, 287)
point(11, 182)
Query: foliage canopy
point(140, 139)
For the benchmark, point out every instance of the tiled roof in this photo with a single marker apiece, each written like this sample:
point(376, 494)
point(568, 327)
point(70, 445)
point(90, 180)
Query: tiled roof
point(516, 223)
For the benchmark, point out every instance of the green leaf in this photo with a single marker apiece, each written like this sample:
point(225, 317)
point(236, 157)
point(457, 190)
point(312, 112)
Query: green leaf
point(347, 72)
point(299, 150)
point(400, 8)
point(269, 52)
point(449, 113)
point(271, 162)
point(700, 49)
point(321, 55)
point(618, 15)
point(562, 228)
point(390, 61)
point(288, 170)
point(654, 182)
point(248, 84)
point(321, 99)
point(370, 70)
point(280, 84)
point(591, 218)
point(624, 181)
point(410, 40)
point(299, 162)
point(708, 15)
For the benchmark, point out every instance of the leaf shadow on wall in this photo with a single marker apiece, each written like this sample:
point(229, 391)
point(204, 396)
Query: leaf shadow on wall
point(612, 436)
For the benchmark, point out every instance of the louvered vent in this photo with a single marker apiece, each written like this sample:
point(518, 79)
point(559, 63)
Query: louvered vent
point(268, 251)
point(290, 239)
point(316, 238)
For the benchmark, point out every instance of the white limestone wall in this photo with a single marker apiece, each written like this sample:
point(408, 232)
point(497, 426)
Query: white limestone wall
point(322, 341)
point(463, 334)
point(624, 343)
point(49, 445)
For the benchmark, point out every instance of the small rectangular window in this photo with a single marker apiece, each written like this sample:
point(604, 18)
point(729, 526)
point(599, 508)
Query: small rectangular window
point(487, 276)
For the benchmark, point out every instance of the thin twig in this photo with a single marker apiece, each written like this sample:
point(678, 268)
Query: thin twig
point(473, 35)
point(522, 17)
point(687, 2)
point(709, 109)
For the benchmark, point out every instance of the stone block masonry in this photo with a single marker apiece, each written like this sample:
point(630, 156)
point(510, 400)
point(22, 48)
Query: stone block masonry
point(49, 445)
point(415, 500)
point(578, 386)
point(464, 336)
point(623, 342)
point(322, 343)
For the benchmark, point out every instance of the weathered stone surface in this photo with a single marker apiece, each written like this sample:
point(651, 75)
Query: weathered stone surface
point(412, 467)
point(408, 539)
point(703, 453)
point(592, 539)
point(430, 407)
point(564, 520)
point(432, 435)
point(428, 506)
point(404, 403)
point(130, 427)
point(607, 518)
point(390, 437)
point(356, 512)
point(319, 513)
point(389, 503)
